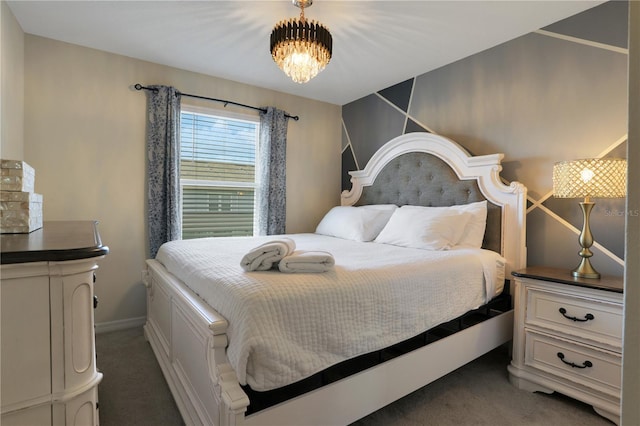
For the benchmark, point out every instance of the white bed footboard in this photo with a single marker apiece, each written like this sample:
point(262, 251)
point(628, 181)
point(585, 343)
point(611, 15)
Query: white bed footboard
point(189, 339)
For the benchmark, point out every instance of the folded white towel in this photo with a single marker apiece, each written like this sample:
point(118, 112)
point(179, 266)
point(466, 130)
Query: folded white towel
point(307, 261)
point(266, 255)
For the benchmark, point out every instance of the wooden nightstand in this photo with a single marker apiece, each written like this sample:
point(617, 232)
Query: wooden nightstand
point(568, 337)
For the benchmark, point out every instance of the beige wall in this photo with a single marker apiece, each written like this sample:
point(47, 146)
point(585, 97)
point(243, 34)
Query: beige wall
point(12, 87)
point(85, 137)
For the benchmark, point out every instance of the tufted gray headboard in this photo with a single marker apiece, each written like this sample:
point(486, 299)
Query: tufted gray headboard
point(431, 170)
point(422, 179)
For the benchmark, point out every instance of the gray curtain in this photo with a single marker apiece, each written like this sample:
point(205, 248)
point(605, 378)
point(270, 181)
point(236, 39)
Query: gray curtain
point(163, 166)
point(272, 169)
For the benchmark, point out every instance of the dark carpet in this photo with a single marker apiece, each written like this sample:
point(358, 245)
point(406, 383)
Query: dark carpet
point(134, 393)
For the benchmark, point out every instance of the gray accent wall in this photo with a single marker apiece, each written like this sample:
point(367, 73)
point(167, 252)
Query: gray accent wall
point(551, 95)
point(606, 24)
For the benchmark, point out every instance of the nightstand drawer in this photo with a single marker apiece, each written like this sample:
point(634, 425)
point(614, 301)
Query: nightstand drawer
point(597, 321)
point(586, 365)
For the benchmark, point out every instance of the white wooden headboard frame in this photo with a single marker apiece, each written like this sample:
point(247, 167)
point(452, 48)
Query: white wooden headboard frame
point(485, 169)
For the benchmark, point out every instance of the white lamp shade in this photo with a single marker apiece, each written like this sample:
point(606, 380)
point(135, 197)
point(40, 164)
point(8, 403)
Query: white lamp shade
point(590, 178)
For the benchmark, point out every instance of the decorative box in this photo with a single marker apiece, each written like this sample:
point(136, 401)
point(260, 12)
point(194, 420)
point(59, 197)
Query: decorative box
point(17, 176)
point(20, 207)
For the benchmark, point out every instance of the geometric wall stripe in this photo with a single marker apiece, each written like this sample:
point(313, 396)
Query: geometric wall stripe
point(399, 94)
point(581, 41)
point(348, 164)
point(370, 122)
point(412, 126)
point(345, 138)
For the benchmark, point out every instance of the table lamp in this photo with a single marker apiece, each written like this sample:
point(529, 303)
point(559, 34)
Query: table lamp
point(589, 178)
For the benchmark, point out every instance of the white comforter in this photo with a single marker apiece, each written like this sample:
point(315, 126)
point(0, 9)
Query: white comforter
point(285, 327)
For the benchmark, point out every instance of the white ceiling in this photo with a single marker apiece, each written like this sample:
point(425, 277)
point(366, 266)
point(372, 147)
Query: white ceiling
point(375, 43)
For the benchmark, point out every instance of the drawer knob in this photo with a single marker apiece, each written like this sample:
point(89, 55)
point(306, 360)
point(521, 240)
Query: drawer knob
point(574, 365)
point(587, 317)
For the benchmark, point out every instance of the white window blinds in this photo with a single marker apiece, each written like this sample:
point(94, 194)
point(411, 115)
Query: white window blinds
point(218, 178)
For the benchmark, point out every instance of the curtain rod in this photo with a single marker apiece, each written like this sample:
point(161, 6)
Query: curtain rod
point(139, 86)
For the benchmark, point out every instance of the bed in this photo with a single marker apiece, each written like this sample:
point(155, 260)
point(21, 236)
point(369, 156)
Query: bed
point(375, 341)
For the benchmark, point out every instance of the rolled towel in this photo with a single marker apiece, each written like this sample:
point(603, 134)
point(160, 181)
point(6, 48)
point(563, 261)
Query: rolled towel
point(307, 261)
point(266, 255)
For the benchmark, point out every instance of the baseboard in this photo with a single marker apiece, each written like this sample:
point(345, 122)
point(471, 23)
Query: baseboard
point(105, 327)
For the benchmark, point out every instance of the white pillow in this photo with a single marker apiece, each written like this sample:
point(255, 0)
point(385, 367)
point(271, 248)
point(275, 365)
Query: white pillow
point(429, 228)
point(473, 234)
point(354, 223)
point(380, 206)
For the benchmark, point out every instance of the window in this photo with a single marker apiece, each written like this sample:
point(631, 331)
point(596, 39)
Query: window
point(217, 174)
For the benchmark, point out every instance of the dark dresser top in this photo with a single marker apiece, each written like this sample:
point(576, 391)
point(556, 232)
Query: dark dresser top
point(55, 241)
point(563, 276)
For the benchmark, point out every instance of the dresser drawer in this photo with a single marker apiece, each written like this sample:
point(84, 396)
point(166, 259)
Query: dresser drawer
point(586, 365)
point(598, 321)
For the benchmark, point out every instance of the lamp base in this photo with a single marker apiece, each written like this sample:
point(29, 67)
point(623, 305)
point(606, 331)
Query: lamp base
point(585, 270)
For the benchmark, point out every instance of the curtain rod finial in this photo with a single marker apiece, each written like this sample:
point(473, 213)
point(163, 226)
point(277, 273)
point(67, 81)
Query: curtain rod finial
point(139, 86)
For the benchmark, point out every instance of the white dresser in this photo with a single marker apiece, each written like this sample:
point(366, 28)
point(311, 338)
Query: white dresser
point(568, 337)
point(48, 364)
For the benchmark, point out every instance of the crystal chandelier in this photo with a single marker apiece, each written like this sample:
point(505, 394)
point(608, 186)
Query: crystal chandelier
point(301, 48)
